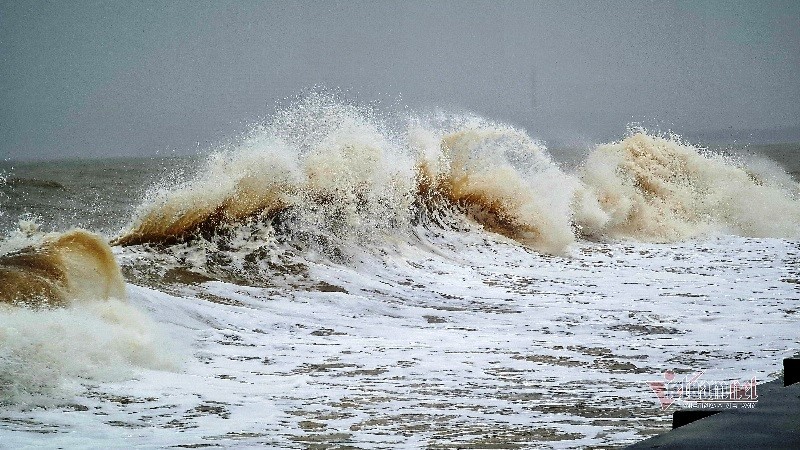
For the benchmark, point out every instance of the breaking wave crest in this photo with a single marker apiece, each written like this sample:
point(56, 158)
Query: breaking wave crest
point(499, 177)
point(661, 189)
point(330, 176)
point(326, 168)
point(56, 269)
point(325, 173)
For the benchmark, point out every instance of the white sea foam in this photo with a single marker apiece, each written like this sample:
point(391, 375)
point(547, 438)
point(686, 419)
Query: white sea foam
point(46, 354)
point(416, 347)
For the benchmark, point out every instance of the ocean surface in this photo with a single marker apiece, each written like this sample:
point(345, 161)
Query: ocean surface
point(336, 280)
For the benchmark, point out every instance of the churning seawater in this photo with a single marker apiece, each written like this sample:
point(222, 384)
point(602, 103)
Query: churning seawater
point(331, 281)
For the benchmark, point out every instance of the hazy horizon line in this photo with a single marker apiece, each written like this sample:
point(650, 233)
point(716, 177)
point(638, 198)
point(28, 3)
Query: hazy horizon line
point(785, 135)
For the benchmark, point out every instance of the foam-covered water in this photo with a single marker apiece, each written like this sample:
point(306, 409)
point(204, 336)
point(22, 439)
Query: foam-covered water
point(48, 356)
point(337, 279)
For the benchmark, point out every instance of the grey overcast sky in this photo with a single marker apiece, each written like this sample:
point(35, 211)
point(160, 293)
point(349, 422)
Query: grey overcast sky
point(100, 78)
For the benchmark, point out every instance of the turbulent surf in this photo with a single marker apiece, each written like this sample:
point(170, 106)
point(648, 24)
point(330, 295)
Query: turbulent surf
point(340, 276)
point(58, 269)
point(658, 188)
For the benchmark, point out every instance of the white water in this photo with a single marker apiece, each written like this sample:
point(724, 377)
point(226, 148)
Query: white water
point(473, 338)
point(48, 356)
point(349, 290)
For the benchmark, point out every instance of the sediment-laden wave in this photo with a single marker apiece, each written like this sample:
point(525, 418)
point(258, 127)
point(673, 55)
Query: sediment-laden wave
point(658, 188)
point(59, 269)
point(64, 318)
point(326, 172)
point(330, 174)
point(328, 169)
point(501, 178)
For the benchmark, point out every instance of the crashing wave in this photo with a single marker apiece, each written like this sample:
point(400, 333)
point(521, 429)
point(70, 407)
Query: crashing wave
point(59, 269)
point(658, 188)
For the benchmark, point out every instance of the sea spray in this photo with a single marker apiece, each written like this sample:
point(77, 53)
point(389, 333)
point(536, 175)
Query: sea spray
point(499, 177)
point(327, 176)
point(661, 189)
point(326, 170)
point(45, 354)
